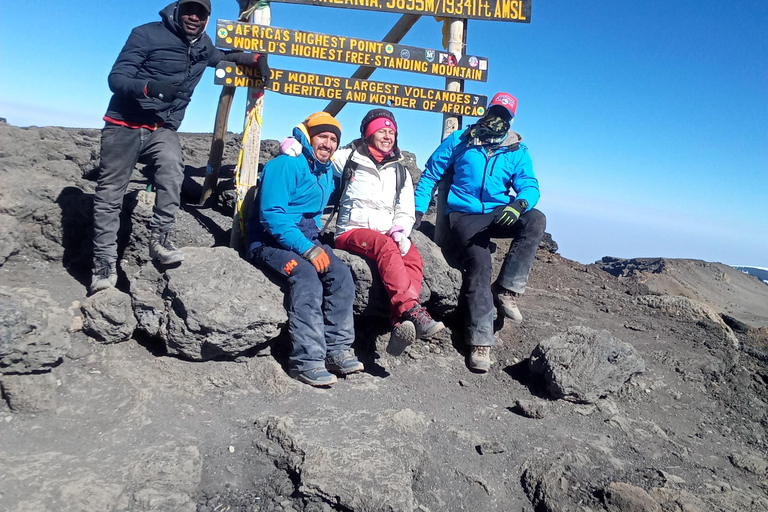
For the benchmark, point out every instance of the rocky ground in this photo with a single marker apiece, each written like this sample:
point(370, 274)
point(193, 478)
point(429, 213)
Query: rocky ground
point(632, 385)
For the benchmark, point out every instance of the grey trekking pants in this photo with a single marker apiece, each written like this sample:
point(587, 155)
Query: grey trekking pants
point(121, 149)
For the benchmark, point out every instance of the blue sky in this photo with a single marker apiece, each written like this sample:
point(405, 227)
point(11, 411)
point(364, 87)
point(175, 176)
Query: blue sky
point(647, 122)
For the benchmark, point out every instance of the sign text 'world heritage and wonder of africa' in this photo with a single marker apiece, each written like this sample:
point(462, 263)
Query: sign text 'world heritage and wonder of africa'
point(493, 10)
point(355, 90)
point(234, 35)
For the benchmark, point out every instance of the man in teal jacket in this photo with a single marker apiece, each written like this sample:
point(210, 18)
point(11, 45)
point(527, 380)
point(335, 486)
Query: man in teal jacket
point(492, 194)
point(282, 235)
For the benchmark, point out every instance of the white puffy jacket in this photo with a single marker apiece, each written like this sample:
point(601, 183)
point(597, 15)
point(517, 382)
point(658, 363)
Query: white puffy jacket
point(369, 201)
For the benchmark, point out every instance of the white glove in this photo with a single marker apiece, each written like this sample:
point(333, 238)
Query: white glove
point(397, 233)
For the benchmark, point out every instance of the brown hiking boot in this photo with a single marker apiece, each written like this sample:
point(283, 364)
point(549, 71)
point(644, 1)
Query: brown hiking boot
point(507, 301)
point(480, 358)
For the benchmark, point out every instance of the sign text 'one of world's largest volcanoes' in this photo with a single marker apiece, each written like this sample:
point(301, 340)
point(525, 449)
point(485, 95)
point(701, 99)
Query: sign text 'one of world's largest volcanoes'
point(235, 35)
point(493, 10)
point(355, 90)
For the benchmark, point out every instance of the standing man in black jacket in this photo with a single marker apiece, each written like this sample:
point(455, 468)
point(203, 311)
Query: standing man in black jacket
point(152, 81)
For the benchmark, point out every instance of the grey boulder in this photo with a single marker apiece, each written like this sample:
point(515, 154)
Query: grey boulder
point(220, 305)
point(583, 365)
point(108, 316)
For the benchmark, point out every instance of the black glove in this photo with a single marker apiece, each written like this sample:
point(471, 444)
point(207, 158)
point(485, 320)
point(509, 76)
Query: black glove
point(417, 221)
point(167, 92)
point(511, 212)
point(257, 60)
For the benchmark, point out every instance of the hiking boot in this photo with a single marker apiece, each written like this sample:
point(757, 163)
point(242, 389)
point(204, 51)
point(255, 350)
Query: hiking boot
point(315, 377)
point(162, 250)
point(403, 334)
point(507, 301)
point(480, 358)
point(425, 325)
point(343, 363)
point(104, 275)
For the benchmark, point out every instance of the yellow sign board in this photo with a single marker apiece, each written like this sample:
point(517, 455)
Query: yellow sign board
point(355, 90)
point(235, 35)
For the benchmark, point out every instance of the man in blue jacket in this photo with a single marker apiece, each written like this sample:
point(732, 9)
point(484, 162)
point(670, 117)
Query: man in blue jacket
point(492, 194)
point(152, 81)
point(282, 235)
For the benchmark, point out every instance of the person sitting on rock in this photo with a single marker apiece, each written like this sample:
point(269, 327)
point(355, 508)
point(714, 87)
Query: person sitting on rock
point(376, 214)
point(152, 81)
point(283, 236)
point(492, 194)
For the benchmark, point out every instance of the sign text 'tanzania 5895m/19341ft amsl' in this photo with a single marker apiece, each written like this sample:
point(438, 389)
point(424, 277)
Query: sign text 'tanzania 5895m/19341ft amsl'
point(518, 11)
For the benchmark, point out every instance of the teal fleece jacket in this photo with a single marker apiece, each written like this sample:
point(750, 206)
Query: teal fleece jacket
point(294, 192)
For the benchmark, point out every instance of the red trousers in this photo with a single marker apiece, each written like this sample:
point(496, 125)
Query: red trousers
point(401, 274)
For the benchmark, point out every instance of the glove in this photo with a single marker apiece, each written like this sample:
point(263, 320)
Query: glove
point(318, 258)
point(511, 213)
point(263, 66)
point(417, 222)
point(397, 233)
point(166, 92)
point(257, 60)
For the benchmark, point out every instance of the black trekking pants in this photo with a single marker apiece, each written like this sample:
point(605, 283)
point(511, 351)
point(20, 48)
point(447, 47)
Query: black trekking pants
point(473, 232)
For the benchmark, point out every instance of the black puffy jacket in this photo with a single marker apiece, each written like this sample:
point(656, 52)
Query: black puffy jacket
point(158, 51)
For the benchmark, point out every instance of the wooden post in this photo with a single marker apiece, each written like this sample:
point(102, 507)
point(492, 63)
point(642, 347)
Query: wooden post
point(395, 35)
point(248, 170)
point(219, 138)
point(451, 123)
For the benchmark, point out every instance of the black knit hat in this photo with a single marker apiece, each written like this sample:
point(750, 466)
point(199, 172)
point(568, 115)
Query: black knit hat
point(375, 114)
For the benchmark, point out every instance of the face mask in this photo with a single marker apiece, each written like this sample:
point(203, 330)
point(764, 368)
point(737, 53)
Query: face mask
point(490, 127)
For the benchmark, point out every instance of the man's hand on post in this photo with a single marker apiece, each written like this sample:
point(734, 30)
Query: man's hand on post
point(511, 213)
point(166, 92)
point(318, 258)
point(263, 66)
point(254, 60)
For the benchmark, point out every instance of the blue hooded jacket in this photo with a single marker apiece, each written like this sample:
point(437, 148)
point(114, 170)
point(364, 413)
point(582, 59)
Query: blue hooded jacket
point(481, 182)
point(158, 51)
point(293, 193)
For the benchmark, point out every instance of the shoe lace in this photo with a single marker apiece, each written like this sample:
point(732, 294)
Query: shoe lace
point(164, 239)
point(483, 351)
point(103, 269)
point(421, 316)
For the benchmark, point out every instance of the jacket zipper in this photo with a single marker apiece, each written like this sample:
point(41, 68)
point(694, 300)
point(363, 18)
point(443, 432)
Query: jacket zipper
point(482, 184)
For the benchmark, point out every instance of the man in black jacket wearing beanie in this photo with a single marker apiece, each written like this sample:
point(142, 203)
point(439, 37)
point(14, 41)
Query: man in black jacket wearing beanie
point(152, 81)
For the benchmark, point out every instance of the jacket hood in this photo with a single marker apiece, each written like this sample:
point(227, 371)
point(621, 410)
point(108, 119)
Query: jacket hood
point(512, 138)
point(170, 17)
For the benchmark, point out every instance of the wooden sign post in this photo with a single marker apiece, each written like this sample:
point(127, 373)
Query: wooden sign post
point(451, 122)
point(247, 172)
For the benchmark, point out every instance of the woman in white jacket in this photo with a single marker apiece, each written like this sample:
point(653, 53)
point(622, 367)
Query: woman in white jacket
point(376, 215)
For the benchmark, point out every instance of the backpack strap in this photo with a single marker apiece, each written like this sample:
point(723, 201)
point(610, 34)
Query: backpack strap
point(401, 174)
point(346, 176)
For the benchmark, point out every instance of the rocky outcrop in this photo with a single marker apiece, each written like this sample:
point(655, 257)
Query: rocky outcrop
point(583, 365)
point(33, 331)
point(692, 311)
point(220, 305)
